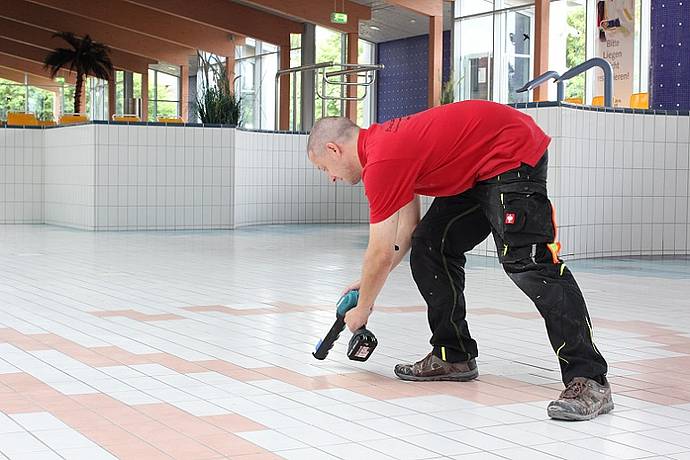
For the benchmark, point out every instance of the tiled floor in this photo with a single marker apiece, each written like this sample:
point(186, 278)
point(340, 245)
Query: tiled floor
point(197, 346)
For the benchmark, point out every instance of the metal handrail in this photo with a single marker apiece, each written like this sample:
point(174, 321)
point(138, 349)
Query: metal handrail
point(543, 78)
point(605, 66)
point(354, 68)
point(293, 70)
point(303, 68)
point(366, 71)
point(369, 73)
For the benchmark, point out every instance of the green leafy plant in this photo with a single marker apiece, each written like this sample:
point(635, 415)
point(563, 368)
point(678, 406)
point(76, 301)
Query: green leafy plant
point(217, 102)
point(85, 57)
point(448, 89)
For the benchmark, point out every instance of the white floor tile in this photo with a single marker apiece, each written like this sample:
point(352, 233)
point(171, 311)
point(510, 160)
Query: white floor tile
point(440, 444)
point(479, 440)
point(400, 449)
point(20, 442)
point(272, 440)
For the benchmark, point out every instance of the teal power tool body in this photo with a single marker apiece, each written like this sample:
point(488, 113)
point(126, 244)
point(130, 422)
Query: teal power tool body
point(362, 343)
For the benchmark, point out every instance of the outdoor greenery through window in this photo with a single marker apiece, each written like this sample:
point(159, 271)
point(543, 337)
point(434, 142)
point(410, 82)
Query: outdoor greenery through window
point(164, 92)
point(13, 98)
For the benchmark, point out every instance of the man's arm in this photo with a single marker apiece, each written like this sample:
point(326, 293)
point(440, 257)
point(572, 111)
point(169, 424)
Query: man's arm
point(381, 257)
point(407, 222)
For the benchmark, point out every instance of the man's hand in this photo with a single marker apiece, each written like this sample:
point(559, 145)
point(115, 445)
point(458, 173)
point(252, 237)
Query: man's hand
point(351, 287)
point(357, 317)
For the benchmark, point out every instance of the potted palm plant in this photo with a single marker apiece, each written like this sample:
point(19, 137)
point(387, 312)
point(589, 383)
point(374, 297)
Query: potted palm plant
point(85, 57)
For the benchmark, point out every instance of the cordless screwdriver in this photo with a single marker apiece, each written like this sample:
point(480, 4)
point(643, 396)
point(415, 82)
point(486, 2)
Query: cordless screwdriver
point(363, 341)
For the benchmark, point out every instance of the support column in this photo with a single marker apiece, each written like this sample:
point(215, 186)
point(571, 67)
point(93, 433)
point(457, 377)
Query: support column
point(308, 94)
point(112, 96)
point(128, 93)
point(352, 58)
point(145, 96)
point(184, 92)
point(541, 46)
point(230, 67)
point(435, 60)
point(284, 104)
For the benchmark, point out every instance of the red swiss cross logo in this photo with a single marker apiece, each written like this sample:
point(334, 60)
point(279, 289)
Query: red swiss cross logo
point(510, 218)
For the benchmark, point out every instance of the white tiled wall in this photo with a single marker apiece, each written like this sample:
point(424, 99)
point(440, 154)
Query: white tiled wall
point(620, 182)
point(69, 181)
point(21, 176)
point(163, 177)
point(275, 183)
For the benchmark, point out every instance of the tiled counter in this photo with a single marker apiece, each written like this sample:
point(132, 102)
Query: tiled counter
point(619, 181)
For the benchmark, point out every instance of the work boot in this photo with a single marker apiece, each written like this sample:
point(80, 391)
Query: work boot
point(582, 399)
point(433, 368)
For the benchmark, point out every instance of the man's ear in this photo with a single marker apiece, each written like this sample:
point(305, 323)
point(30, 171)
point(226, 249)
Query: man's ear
point(333, 149)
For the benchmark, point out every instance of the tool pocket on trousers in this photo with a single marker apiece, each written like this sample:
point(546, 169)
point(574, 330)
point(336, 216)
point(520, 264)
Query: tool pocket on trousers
point(527, 214)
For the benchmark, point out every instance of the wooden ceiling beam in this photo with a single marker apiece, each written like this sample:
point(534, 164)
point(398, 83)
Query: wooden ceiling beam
point(135, 18)
point(114, 37)
point(18, 76)
point(43, 38)
point(33, 68)
point(229, 17)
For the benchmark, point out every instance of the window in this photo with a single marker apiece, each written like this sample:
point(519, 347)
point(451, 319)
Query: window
point(474, 57)
point(365, 107)
point(97, 99)
point(568, 44)
point(164, 91)
point(256, 64)
point(330, 46)
point(493, 49)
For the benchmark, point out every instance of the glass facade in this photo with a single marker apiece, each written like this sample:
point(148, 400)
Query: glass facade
point(164, 91)
point(365, 107)
point(493, 47)
point(256, 64)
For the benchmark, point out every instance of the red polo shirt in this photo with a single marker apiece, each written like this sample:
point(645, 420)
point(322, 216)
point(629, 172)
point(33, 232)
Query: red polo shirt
point(443, 151)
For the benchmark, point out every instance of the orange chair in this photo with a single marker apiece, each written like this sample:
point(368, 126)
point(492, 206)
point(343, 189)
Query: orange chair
point(598, 101)
point(21, 119)
point(171, 120)
point(574, 100)
point(126, 118)
point(639, 101)
point(46, 123)
point(70, 118)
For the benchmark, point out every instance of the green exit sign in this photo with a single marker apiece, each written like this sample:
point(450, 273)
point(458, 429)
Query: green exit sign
point(339, 18)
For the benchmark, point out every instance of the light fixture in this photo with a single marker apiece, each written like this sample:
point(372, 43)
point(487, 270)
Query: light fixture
point(412, 21)
point(374, 27)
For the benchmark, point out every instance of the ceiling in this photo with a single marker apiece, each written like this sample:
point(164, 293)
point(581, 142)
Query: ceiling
point(394, 22)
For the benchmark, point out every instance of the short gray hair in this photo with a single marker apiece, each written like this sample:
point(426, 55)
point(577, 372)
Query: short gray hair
point(329, 129)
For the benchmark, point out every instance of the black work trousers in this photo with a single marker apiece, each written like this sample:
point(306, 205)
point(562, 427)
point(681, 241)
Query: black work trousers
point(514, 206)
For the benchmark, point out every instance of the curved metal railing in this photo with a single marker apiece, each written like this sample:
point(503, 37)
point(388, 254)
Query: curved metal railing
point(543, 78)
point(604, 65)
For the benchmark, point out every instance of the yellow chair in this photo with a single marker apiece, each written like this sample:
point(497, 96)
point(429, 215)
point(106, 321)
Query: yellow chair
point(574, 100)
point(598, 101)
point(126, 118)
point(172, 120)
point(70, 118)
point(639, 101)
point(21, 119)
